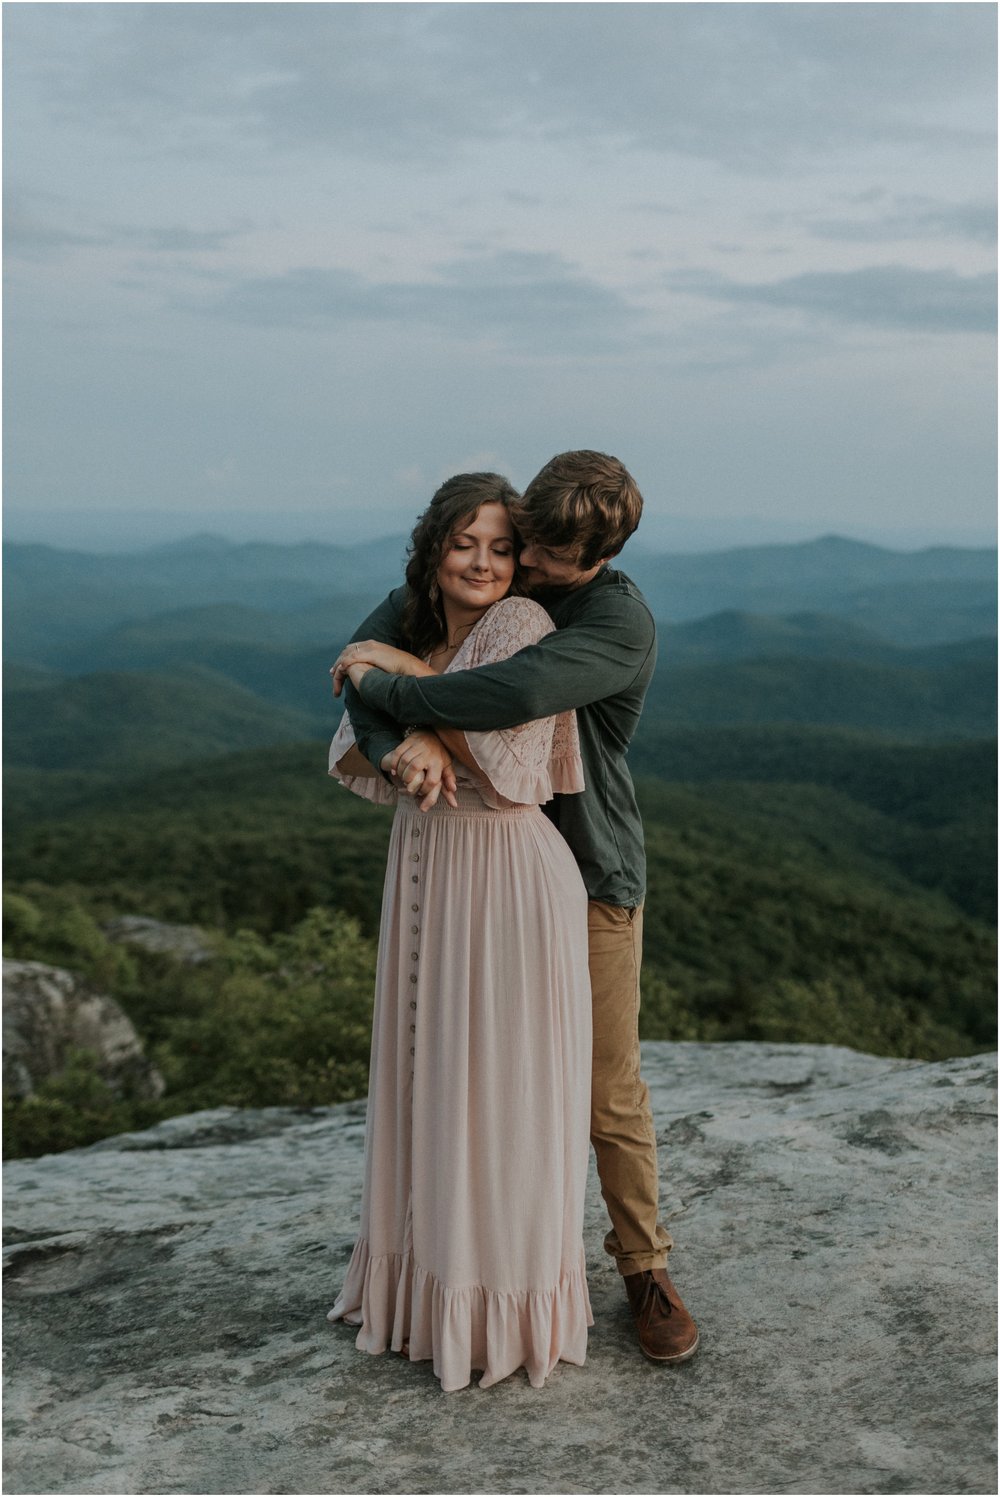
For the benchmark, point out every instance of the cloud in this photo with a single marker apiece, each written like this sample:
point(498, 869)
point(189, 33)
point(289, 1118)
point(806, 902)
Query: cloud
point(757, 85)
point(920, 219)
point(886, 296)
point(176, 238)
point(48, 228)
point(519, 298)
point(287, 232)
point(29, 237)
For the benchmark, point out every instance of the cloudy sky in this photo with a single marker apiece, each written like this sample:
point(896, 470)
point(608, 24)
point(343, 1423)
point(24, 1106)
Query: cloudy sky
point(306, 260)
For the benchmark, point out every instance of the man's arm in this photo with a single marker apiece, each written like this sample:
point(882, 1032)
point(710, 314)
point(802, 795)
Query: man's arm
point(585, 662)
point(376, 731)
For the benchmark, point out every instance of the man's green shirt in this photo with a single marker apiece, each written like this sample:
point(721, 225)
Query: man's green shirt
point(599, 661)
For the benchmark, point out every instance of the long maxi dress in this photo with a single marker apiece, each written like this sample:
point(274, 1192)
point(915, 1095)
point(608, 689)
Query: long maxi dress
point(470, 1250)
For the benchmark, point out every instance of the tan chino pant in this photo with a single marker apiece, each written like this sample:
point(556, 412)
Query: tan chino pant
point(621, 1127)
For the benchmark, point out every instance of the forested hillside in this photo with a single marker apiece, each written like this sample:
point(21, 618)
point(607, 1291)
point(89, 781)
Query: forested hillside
point(199, 695)
point(818, 793)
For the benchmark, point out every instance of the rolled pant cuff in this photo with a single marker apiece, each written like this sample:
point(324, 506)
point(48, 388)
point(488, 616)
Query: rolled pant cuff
point(640, 1262)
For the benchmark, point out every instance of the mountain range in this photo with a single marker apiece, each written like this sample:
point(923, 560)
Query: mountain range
point(119, 664)
point(59, 602)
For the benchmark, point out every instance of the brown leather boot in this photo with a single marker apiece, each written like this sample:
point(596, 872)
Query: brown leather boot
point(666, 1331)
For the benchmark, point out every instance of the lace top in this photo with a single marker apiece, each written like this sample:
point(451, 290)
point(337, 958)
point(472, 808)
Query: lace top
point(524, 765)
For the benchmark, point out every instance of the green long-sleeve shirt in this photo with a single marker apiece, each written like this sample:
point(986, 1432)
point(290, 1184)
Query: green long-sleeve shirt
point(599, 661)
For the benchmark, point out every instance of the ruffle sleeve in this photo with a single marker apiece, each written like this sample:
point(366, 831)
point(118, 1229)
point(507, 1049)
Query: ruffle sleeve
point(530, 763)
point(374, 787)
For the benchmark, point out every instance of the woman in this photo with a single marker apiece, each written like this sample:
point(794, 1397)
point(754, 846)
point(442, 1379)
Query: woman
point(470, 1252)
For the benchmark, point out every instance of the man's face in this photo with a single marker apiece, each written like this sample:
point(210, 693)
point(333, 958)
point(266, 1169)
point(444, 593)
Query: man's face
point(545, 566)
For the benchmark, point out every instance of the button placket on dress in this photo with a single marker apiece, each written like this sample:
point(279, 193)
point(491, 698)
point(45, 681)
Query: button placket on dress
point(415, 910)
point(413, 861)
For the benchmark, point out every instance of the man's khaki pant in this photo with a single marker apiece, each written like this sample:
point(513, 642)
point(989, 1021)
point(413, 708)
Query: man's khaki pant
point(621, 1126)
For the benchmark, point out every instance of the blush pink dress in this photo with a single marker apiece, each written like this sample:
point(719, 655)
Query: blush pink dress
point(471, 1237)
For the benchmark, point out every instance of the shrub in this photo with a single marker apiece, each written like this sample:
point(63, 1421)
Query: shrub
point(67, 1111)
point(54, 925)
point(289, 1022)
point(279, 1023)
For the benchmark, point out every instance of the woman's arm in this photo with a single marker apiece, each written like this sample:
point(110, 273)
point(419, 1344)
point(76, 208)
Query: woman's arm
point(372, 652)
point(457, 745)
point(377, 733)
point(419, 753)
point(428, 761)
point(354, 764)
point(521, 764)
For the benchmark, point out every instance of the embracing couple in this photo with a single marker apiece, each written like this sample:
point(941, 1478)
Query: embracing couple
point(492, 699)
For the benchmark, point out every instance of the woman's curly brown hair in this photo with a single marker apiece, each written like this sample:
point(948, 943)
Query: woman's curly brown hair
point(457, 499)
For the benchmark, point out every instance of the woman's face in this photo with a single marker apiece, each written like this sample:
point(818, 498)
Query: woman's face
point(478, 566)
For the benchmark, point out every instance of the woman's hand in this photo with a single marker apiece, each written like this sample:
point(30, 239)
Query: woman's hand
point(370, 652)
point(422, 766)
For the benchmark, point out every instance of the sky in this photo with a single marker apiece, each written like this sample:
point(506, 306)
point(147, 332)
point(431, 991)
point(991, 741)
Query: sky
point(277, 270)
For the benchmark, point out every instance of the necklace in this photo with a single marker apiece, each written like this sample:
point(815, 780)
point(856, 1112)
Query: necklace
point(452, 644)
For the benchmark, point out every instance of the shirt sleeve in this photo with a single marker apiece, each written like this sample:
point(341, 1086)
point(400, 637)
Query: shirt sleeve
point(594, 657)
point(376, 731)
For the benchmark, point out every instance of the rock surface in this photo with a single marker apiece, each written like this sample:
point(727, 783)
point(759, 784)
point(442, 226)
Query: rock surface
point(48, 1012)
point(167, 1294)
point(184, 942)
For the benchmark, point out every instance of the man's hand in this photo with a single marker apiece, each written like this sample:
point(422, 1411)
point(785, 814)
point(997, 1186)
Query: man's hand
point(422, 766)
point(370, 652)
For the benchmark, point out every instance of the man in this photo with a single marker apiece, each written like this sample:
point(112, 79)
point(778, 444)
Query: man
point(575, 517)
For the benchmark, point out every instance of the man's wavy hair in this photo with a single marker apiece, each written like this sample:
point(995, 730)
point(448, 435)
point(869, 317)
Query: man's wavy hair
point(457, 500)
point(584, 502)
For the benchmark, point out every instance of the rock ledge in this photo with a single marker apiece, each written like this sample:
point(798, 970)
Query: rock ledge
point(167, 1294)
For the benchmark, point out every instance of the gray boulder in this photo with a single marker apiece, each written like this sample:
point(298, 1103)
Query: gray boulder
point(832, 1213)
point(48, 1012)
point(185, 942)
